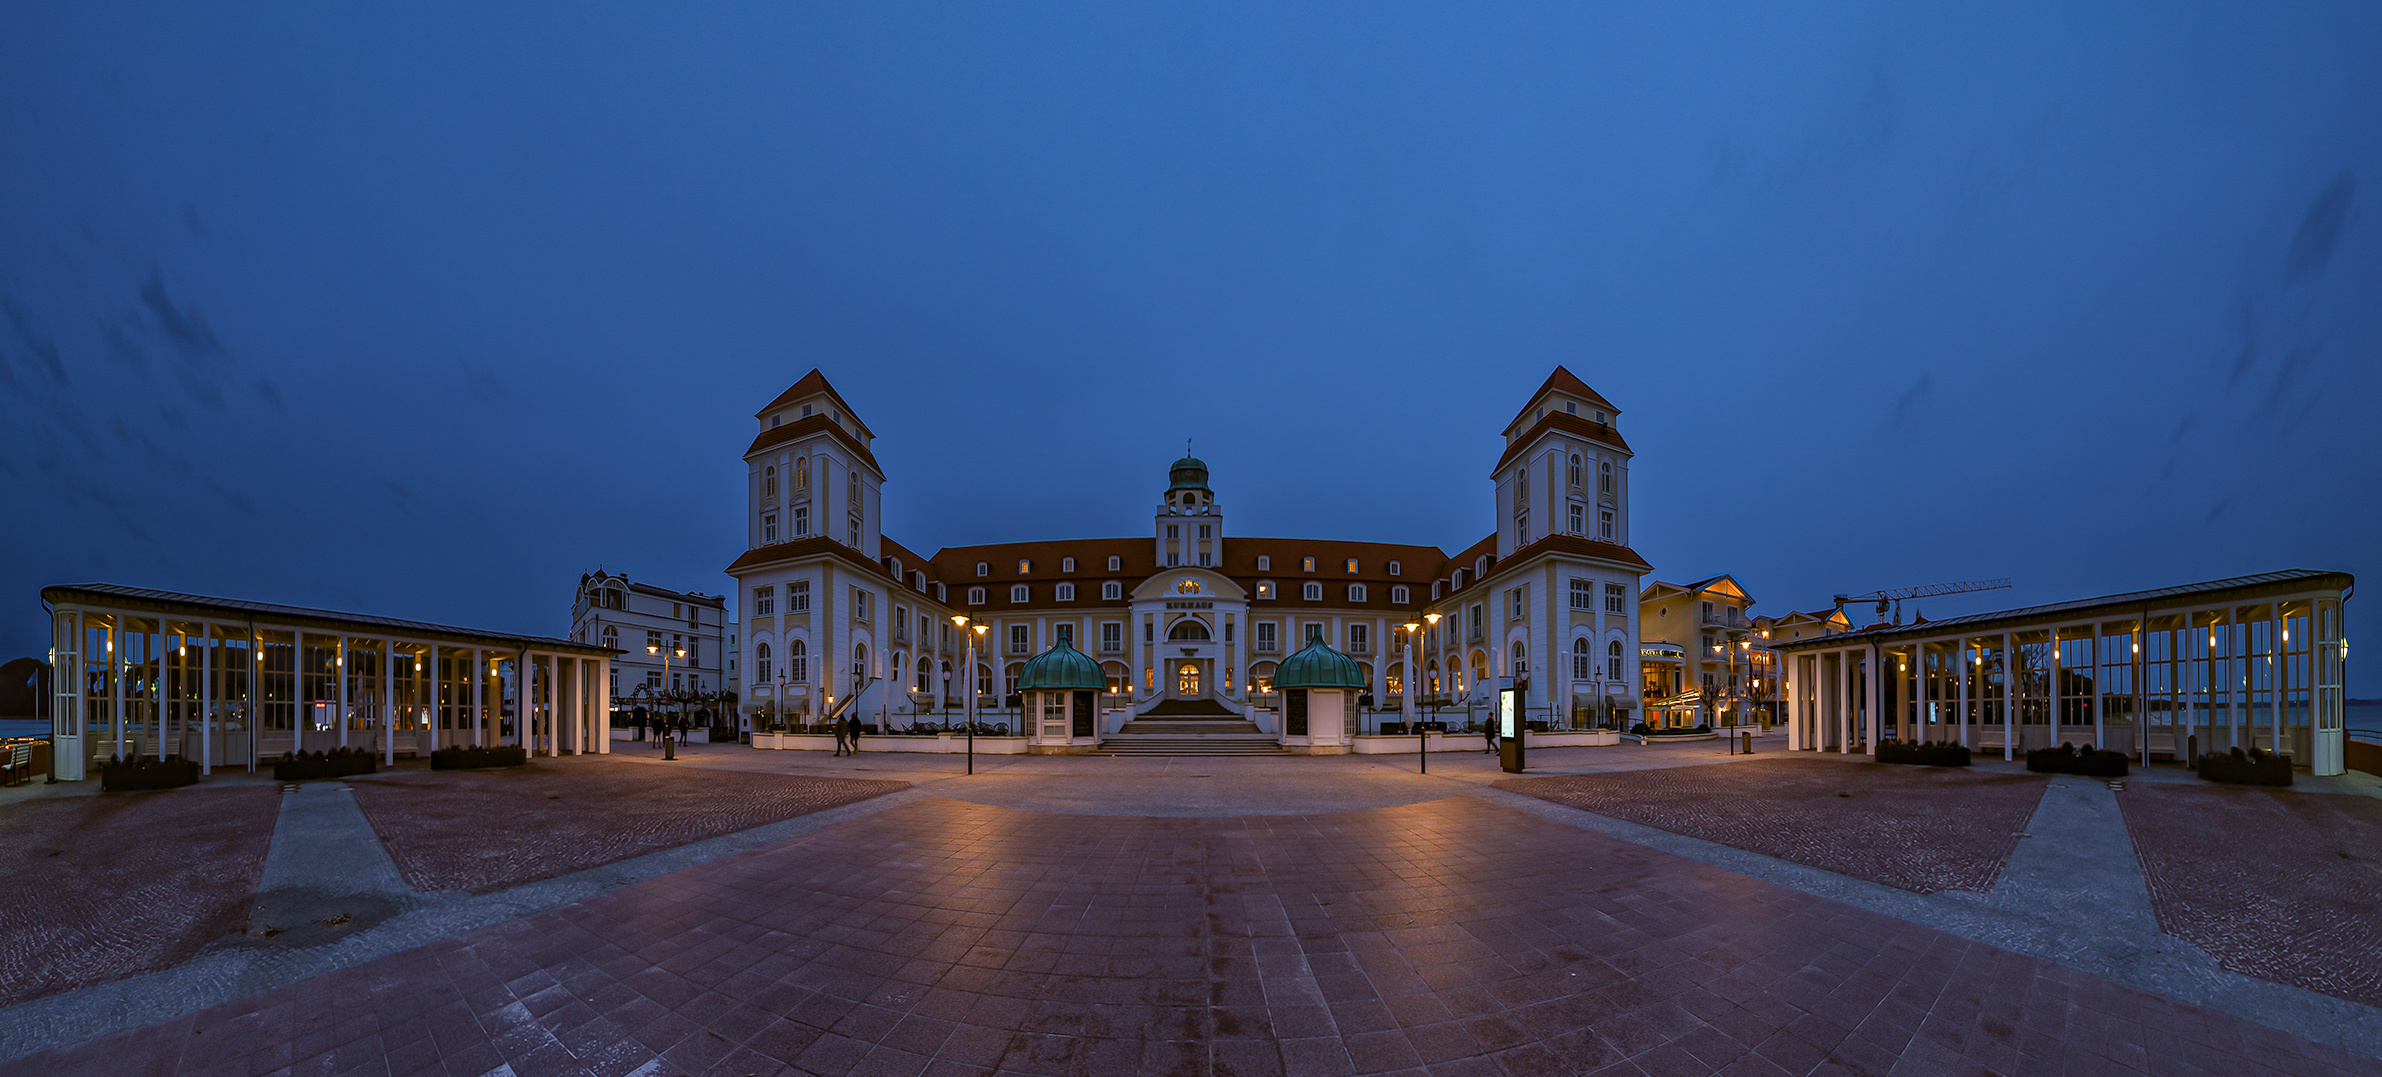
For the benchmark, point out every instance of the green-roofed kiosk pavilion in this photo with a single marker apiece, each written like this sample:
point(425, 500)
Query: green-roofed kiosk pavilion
point(1319, 687)
point(1062, 687)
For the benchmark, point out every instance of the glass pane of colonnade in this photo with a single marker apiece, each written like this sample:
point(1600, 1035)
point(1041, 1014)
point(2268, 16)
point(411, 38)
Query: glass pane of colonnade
point(2265, 675)
point(231, 694)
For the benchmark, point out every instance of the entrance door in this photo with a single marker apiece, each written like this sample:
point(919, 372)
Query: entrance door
point(1186, 680)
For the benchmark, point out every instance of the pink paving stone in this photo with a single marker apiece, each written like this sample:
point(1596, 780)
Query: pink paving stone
point(1922, 829)
point(2280, 885)
point(96, 888)
point(486, 830)
point(947, 937)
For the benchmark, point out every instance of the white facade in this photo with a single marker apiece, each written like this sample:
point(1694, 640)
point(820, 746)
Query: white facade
point(610, 610)
point(1183, 617)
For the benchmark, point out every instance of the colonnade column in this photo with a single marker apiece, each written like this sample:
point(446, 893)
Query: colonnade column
point(437, 712)
point(2009, 700)
point(388, 708)
point(206, 698)
point(1966, 668)
point(2278, 675)
point(602, 725)
point(1787, 685)
point(1919, 700)
point(2100, 693)
point(345, 717)
point(1844, 703)
point(1875, 682)
point(479, 701)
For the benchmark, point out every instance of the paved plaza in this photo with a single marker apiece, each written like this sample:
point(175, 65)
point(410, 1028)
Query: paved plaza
point(889, 914)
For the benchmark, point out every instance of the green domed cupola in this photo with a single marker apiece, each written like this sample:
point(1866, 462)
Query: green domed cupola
point(1061, 668)
point(1188, 473)
point(1317, 665)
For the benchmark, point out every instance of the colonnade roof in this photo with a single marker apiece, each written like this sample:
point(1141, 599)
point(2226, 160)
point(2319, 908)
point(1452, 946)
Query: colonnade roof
point(2164, 599)
point(171, 604)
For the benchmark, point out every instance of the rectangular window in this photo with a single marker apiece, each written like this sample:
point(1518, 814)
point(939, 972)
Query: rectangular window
point(1066, 592)
point(901, 624)
point(860, 600)
point(1604, 524)
point(1475, 613)
point(1173, 559)
point(1149, 631)
point(653, 641)
point(1583, 595)
point(852, 531)
point(1313, 592)
point(1400, 595)
point(1360, 638)
point(1579, 518)
point(768, 527)
point(1112, 636)
point(1116, 564)
point(1018, 593)
point(802, 521)
point(1207, 530)
point(1264, 563)
point(1515, 597)
point(1612, 669)
point(798, 596)
point(1265, 637)
point(764, 601)
point(1356, 593)
point(1021, 639)
point(1352, 566)
point(1228, 630)
point(975, 596)
point(1265, 589)
point(1615, 595)
point(1174, 531)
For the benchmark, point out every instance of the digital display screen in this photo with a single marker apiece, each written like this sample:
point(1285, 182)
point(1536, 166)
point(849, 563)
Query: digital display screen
point(1505, 713)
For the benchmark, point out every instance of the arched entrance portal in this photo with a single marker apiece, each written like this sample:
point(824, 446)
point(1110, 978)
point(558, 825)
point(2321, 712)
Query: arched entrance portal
point(1186, 680)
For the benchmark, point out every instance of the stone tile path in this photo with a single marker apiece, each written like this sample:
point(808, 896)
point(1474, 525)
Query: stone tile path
point(98, 887)
point(487, 830)
point(1450, 937)
point(2279, 885)
point(1922, 829)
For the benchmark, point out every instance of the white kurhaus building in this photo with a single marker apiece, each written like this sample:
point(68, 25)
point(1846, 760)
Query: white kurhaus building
point(611, 610)
point(1189, 619)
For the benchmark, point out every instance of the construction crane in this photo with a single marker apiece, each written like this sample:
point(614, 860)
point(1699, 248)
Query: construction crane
point(1892, 599)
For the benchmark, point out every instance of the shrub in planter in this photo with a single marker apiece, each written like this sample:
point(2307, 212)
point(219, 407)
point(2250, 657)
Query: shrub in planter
point(476, 758)
point(1639, 730)
point(336, 763)
point(1932, 754)
point(2257, 766)
point(2068, 759)
point(146, 772)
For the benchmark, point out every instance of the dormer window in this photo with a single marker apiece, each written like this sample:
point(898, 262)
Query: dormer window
point(1025, 567)
point(1307, 564)
point(1393, 568)
point(1264, 563)
point(1265, 588)
point(1352, 566)
point(1116, 564)
point(1480, 565)
point(1066, 564)
point(983, 568)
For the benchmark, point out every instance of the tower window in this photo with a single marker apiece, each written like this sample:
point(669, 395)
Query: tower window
point(802, 521)
point(1575, 469)
point(1604, 524)
point(1570, 408)
point(1174, 531)
point(806, 411)
point(798, 596)
point(1604, 478)
point(1207, 530)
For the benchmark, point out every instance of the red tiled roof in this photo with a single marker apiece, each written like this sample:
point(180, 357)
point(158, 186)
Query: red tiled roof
point(1562, 381)
point(801, 428)
point(812, 384)
point(800, 548)
point(1570, 424)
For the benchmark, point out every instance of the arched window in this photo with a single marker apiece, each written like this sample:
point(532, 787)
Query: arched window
point(1066, 592)
point(1188, 628)
point(802, 474)
point(1017, 593)
point(1575, 469)
point(1009, 678)
point(769, 481)
point(611, 636)
point(1604, 478)
point(760, 662)
point(1613, 661)
point(896, 668)
point(860, 660)
point(1116, 564)
point(1356, 593)
point(1399, 595)
point(1431, 678)
point(1112, 591)
point(975, 596)
point(1066, 564)
point(983, 680)
point(798, 662)
point(1521, 660)
point(1313, 592)
point(1583, 661)
point(1265, 588)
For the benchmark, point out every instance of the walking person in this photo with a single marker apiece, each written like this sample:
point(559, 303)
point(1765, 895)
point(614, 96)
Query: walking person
point(637, 722)
point(855, 723)
point(839, 735)
point(1488, 732)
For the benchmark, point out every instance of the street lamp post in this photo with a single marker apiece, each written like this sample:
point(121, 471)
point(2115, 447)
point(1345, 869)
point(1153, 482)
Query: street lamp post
point(1422, 738)
point(669, 745)
point(961, 621)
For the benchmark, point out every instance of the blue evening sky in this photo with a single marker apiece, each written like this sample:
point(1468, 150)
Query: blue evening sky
point(425, 309)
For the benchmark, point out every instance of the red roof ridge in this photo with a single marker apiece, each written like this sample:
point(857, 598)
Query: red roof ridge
point(1564, 381)
point(812, 384)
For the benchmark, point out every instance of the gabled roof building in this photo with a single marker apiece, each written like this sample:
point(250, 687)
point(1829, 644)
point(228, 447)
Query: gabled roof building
point(1191, 615)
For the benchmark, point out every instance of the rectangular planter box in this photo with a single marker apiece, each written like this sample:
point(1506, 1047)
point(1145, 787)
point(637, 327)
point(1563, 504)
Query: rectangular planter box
point(939, 744)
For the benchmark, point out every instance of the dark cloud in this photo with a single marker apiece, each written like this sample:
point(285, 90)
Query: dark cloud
point(2320, 229)
point(186, 328)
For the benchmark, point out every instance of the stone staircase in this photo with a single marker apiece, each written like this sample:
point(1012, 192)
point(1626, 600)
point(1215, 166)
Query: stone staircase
point(1184, 736)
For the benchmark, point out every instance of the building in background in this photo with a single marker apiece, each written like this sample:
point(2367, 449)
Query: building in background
point(610, 610)
point(1189, 619)
point(1707, 658)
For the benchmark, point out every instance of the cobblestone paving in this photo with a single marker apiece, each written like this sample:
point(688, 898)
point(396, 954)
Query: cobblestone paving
point(1921, 829)
point(483, 831)
point(96, 888)
point(2278, 885)
point(1452, 937)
